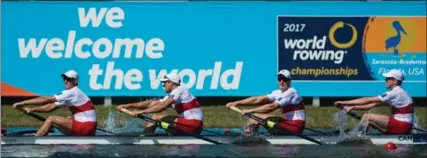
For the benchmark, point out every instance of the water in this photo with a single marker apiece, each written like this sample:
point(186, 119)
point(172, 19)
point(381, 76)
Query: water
point(340, 119)
point(358, 148)
point(210, 151)
point(416, 125)
point(110, 124)
point(357, 134)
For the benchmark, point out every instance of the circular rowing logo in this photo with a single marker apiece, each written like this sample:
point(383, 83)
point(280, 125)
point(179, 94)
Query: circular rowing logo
point(337, 26)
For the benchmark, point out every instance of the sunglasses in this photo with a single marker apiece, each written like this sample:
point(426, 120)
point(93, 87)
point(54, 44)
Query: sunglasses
point(389, 78)
point(282, 78)
point(68, 79)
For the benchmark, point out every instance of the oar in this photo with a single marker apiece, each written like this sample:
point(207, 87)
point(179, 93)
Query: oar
point(194, 127)
point(354, 115)
point(40, 118)
point(168, 127)
point(272, 124)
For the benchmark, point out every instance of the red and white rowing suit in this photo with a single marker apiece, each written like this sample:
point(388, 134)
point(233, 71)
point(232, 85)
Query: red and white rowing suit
point(190, 115)
point(292, 108)
point(84, 115)
point(402, 111)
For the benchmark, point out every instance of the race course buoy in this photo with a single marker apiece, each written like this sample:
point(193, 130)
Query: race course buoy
point(390, 146)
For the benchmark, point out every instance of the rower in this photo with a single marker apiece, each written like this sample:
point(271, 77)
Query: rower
point(286, 98)
point(83, 122)
point(401, 103)
point(190, 115)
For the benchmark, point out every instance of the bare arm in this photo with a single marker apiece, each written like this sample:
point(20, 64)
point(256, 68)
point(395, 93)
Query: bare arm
point(139, 105)
point(160, 106)
point(39, 100)
point(44, 109)
point(253, 101)
point(363, 101)
point(366, 106)
point(265, 108)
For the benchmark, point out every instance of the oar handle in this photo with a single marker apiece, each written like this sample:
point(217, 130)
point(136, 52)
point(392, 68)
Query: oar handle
point(352, 114)
point(32, 115)
point(236, 109)
point(126, 111)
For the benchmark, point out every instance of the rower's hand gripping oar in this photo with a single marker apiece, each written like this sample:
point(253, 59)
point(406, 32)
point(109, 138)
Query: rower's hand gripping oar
point(40, 118)
point(168, 127)
point(351, 113)
point(272, 124)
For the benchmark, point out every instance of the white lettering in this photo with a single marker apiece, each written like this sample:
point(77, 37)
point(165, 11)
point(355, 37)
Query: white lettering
point(54, 47)
point(203, 73)
point(133, 79)
point(110, 73)
point(235, 74)
point(90, 16)
point(216, 75)
point(128, 45)
point(70, 45)
point(313, 49)
point(191, 77)
point(114, 17)
point(85, 47)
point(93, 77)
point(96, 49)
point(31, 46)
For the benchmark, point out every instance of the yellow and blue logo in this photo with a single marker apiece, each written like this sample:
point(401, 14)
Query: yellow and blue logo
point(334, 29)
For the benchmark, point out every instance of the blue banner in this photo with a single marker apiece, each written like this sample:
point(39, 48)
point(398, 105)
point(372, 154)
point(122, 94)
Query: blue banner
point(219, 48)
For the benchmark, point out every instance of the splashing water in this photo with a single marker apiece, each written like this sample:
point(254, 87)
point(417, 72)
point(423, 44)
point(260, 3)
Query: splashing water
point(110, 124)
point(340, 119)
point(133, 125)
point(357, 134)
point(416, 125)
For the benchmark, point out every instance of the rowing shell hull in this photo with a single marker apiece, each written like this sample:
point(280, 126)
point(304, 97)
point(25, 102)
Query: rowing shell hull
point(181, 140)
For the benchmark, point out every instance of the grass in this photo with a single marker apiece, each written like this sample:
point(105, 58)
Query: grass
point(214, 117)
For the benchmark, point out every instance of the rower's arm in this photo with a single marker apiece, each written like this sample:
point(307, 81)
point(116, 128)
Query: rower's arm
point(366, 106)
point(39, 100)
point(45, 108)
point(363, 101)
point(253, 100)
point(267, 108)
point(139, 105)
point(160, 106)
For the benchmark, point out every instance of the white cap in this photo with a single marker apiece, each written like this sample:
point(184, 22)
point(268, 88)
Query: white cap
point(171, 77)
point(394, 73)
point(71, 74)
point(285, 73)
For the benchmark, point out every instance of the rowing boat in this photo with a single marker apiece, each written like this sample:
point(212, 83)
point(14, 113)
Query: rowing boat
point(183, 140)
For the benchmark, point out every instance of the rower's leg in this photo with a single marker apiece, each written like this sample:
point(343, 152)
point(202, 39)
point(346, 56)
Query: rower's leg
point(151, 127)
point(377, 120)
point(62, 123)
point(253, 125)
